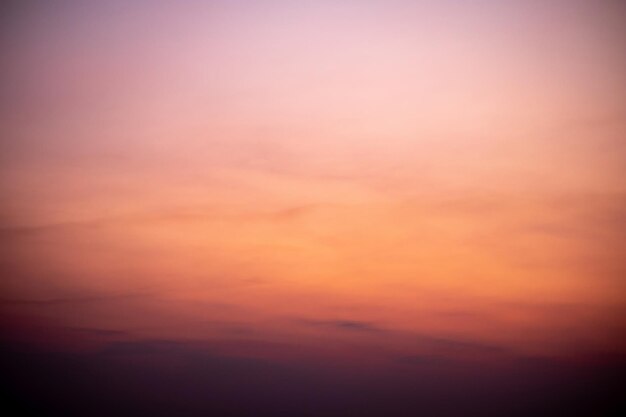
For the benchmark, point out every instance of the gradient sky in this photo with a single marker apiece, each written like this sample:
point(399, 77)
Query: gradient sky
point(285, 179)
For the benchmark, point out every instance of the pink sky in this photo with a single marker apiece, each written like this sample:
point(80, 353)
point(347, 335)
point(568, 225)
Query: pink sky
point(297, 170)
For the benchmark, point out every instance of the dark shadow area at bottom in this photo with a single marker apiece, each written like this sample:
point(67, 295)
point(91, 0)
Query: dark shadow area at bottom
point(161, 379)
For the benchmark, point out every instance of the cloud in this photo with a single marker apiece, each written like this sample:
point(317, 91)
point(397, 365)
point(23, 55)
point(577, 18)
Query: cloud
point(15, 231)
point(72, 300)
point(348, 325)
point(424, 360)
point(293, 212)
point(97, 332)
point(145, 347)
point(458, 346)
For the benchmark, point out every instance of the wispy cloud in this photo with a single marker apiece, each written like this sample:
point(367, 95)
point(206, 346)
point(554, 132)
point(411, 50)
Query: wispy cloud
point(86, 299)
point(347, 325)
point(92, 331)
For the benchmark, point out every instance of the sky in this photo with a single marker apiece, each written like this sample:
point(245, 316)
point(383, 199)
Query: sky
point(388, 194)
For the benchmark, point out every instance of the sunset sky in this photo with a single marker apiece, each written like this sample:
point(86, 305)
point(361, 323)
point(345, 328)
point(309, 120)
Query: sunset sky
point(359, 184)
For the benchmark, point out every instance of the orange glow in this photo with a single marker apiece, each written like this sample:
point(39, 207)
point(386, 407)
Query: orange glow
point(323, 179)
